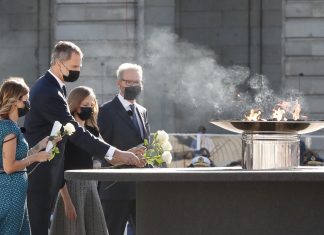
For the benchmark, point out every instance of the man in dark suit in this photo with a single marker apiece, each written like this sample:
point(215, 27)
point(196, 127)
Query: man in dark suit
point(48, 104)
point(124, 124)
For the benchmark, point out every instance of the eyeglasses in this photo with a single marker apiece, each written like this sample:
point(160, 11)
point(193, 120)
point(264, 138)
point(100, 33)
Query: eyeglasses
point(132, 83)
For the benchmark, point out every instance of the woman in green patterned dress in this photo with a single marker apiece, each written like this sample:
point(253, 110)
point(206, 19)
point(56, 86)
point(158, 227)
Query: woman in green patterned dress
point(15, 157)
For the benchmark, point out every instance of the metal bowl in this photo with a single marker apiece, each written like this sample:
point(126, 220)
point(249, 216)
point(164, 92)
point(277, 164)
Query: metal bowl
point(299, 127)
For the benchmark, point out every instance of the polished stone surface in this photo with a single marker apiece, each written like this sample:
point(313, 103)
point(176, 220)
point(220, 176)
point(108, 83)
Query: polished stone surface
point(199, 174)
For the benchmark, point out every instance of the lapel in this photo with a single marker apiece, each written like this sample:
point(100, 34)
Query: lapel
point(121, 112)
point(50, 79)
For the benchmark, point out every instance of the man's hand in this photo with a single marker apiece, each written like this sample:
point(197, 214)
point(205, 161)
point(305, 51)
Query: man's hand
point(128, 158)
point(138, 151)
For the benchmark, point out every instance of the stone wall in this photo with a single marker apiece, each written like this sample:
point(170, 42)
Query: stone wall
point(303, 55)
point(241, 32)
point(25, 30)
point(105, 30)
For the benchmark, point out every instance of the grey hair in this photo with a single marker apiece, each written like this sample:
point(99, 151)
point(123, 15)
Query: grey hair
point(63, 50)
point(128, 66)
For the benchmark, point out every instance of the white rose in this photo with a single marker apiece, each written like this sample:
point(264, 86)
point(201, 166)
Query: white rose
point(167, 157)
point(162, 136)
point(69, 129)
point(166, 146)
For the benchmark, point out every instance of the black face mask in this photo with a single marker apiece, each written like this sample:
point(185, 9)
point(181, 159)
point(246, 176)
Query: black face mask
point(85, 113)
point(22, 111)
point(72, 77)
point(132, 92)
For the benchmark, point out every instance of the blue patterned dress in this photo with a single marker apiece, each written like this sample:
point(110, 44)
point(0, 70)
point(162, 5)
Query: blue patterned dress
point(13, 187)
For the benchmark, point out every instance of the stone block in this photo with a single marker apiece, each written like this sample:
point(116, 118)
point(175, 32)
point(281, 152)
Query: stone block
point(235, 19)
point(273, 73)
point(26, 70)
point(17, 56)
point(233, 36)
point(95, 13)
point(304, 9)
point(306, 84)
point(27, 21)
point(272, 18)
point(306, 65)
point(271, 36)
point(193, 5)
point(236, 55)
point(18, 39)
point(160, 3)
point(93, 67)
point(304, 47)
point(228, 5)
point(306, 27)
point(159, 16)
point(96, 1)
point(272, 4)
point(271, 54)
point(105, 48)
point(4, 23)
point(18, 6)
point(196, 35)
point(201, 19)
point(95, 31)
point(314, 103)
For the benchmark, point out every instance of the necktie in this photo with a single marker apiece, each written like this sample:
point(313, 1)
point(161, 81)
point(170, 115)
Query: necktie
point(134, 119)
point(64, 90)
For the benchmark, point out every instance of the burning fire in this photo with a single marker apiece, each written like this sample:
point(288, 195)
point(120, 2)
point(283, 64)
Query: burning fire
point(281, 112)
point(255, 115)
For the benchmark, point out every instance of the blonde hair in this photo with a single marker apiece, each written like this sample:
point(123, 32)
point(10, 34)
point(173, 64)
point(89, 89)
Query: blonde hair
point(128, 66)
point(11, 90)
point(63, 50)
point(76, 96)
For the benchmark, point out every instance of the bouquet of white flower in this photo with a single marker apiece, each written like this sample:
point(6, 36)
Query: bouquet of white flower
point(68, 129)
point(158, 151)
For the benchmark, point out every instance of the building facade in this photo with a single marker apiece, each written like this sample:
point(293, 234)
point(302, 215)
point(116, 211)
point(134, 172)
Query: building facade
point(281, 39)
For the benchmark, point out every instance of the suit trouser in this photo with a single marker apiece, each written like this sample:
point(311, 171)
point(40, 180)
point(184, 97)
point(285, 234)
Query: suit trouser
point(39, 199)
point(117, 213)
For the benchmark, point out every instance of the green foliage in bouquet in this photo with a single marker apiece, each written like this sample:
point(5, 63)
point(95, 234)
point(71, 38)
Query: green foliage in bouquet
point(158, 151)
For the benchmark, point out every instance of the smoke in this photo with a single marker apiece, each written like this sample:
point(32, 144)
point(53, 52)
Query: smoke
point(199, 89)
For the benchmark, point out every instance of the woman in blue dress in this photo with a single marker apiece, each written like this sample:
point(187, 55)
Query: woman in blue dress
point(14, 158)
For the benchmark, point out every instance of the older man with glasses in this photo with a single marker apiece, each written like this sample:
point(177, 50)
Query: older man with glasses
point(124, 124)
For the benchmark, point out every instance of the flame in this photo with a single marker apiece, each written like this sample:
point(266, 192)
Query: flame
point(296, 112)
point(278, 114)
point(255, 115)
point(282, 111)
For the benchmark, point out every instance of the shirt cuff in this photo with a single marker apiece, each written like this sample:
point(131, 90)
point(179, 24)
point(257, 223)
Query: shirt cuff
point(110, 153)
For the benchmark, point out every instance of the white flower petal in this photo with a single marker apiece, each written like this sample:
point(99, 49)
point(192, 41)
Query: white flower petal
point(162, 136)
point(69, 128)
point(167, 157)
point(166, 146)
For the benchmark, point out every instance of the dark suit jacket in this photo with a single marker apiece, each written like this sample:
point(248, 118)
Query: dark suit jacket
point(48, 104)
point(117, 129)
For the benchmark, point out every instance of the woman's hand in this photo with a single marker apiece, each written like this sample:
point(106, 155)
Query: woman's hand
point(43, 143)
point(42, 156)
point(70, 211)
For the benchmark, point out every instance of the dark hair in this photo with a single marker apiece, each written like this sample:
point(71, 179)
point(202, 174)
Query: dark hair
point(202, 129)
